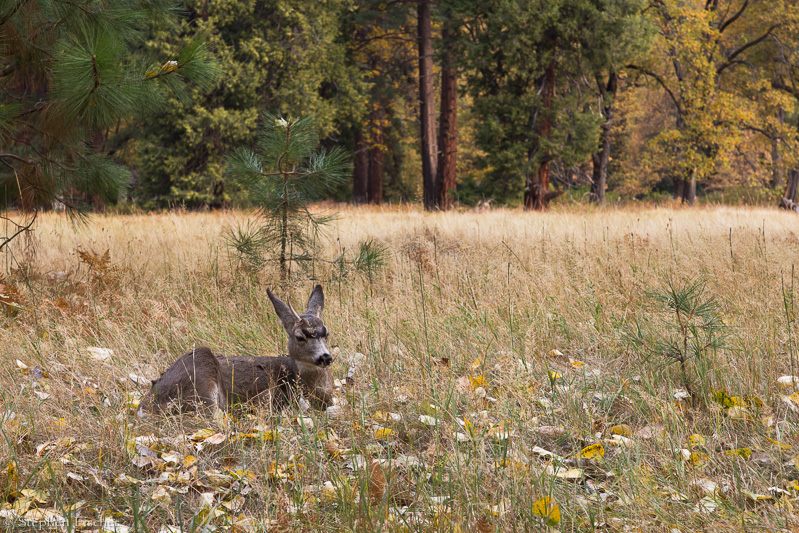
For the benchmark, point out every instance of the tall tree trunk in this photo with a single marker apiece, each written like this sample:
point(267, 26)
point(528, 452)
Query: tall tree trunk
point(607, 94)
point(776, 155)
point(427, 103)
point(679, 189)
point(375, 181)
point(689, 188)
point(447, 126)
point(536, 191)
point(789, 200)
point(360, 171)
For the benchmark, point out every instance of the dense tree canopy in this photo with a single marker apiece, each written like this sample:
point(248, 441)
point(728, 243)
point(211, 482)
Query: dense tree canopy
point(526, 100)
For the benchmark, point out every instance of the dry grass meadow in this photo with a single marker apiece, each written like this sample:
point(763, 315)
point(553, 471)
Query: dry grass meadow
point(500, 387)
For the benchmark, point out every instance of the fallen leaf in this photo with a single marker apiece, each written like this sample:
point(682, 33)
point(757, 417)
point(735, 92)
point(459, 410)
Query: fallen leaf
point(100, 354)
point(161, 495)
point(708, 504)
point(696, 441)
point(476, 364)
point(739, 452)
point(621, 429)
point(39, 496)
point(787, 382)
point(705, 485)
point(202, 434)
point(377, 482)
point(547, 509)
point(595, 451)
point(739, 413)
point(698, 459)
point(781, 445)
point(427, 420)
point(754, 496)
point(383, 433)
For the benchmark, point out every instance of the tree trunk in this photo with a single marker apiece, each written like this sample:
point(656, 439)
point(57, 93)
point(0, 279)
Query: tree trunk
point(536, 192)
point(679, 189)
point(607, 94)
point(427, 104)
point(776, 155)
point(447, 126)
point(790, 191)
point(360, 171)
point(374, 186)
point(689, 188)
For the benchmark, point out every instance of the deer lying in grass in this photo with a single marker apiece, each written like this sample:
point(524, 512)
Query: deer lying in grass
point(200, 378)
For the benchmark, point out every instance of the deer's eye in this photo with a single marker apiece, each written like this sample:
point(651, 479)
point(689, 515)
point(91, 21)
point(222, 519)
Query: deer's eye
point(300, 339)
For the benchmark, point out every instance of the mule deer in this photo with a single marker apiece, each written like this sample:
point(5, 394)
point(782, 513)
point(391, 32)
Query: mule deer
point(200, 378)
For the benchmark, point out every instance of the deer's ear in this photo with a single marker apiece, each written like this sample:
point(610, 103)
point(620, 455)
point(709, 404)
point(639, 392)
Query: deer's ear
point(316, 303)
point(288, 316)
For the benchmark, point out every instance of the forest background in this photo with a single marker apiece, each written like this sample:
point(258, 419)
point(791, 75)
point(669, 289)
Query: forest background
point(512, 102)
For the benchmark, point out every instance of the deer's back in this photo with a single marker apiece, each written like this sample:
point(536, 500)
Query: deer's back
point(256, 379)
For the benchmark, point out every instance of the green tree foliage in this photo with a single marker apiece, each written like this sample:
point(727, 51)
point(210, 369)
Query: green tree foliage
point(71, 75)
point(282, 176)
point(520, 127)
point(283, 56)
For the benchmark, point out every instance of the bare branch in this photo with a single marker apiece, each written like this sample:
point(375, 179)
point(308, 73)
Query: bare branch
point(18, 158)
point(733, 18)
point(737, 52)
point(661, 82)
point(20, 229)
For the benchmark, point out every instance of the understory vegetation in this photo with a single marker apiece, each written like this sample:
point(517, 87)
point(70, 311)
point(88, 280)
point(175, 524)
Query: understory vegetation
point(505, 371)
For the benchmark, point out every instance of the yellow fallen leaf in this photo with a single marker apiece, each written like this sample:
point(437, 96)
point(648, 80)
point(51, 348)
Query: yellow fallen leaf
point(477, 381)
point(243, 474)
point(189, 461)
point(383, 433)
point(554, 375)
point(275, 472)
point(698, 459)
point(547, 509)
point(721, 397)
point(739, 452)
point(696, 441)
point(754, 496)
point(621, 429)
point(39, 496)
point(595, 451)
point(781, 445)
point(202, 434)
point(477, 363)
point(577, 364)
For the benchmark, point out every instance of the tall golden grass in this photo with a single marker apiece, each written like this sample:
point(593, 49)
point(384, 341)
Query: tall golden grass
point(478, 320)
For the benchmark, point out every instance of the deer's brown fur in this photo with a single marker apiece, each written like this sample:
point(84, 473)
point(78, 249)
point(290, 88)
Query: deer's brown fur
point(201, 379)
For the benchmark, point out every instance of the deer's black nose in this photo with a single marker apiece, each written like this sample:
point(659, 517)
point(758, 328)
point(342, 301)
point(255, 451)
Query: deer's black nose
point(325, 360)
